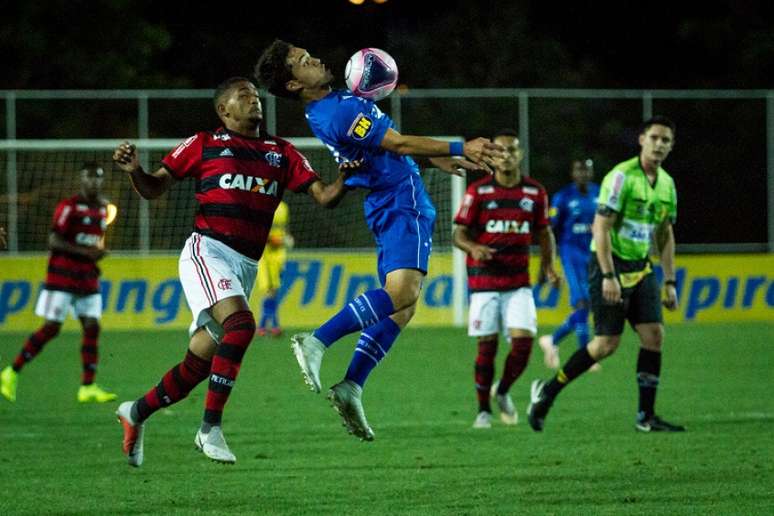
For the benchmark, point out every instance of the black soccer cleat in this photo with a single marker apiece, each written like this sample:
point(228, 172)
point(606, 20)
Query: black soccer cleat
point(656, 424)
point(538, 407)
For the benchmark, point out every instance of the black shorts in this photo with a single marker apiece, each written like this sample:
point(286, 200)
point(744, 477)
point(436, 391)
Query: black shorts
point(641, 303)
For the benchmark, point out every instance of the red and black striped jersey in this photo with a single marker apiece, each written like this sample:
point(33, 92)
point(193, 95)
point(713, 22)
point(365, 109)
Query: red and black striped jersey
point(78, 222)
point(503, 218)
point(239, 183)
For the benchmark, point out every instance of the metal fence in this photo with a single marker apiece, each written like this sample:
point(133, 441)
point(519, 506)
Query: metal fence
point(724, 161)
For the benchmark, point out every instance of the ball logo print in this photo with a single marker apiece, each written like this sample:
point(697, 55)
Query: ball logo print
point(371, 73)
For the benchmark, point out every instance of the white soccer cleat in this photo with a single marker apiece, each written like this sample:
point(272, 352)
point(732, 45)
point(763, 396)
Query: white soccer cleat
point(133, 434)
point(550, 352)
point(508, 413)
point(345, 397)
point(595, 367)
point(483, 420)
point(213, 445)
point(309, 351)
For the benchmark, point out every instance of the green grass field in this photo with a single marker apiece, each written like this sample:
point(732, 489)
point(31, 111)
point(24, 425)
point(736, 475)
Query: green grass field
point(294, 457)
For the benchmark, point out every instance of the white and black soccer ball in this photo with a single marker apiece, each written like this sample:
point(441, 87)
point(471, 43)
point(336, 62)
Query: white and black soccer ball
point(371, 73)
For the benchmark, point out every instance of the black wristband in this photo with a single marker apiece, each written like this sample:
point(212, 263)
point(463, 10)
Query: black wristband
point(670, 282)
point(608, 275)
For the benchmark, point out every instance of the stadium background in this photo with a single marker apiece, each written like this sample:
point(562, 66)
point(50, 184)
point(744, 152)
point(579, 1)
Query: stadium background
point(575, 80)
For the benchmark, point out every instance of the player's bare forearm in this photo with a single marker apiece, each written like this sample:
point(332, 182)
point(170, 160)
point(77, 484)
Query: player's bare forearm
point(600, 229)
point(329, 195)
point(461, 239)
point(547, 244)
point(57, 243)
point(149, 186)
point(666, 243)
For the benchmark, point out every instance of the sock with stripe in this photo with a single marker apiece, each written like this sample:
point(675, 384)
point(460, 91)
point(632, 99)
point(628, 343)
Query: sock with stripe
point(175, 385)
point(34, 344)
point(578, 364)
point(484, 372)
point(648, 371)
point(365, 310)
point(89, 354)
point(239, 329)
point(515, 362)
point(373, 345)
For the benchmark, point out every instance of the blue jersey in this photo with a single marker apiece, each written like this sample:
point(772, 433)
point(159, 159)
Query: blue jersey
point(572, 214)
point(353, 128)
point(398, 209)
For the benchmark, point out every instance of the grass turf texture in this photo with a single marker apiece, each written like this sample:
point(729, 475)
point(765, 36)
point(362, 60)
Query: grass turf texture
point(57, 456)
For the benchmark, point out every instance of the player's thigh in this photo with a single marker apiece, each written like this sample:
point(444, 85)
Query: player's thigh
point(211, 273)
point(645, 303)
point(404, 240)
point(88, 306)
point(518, 312)
point(484, 314)
point(54, 305)
point(609, 318)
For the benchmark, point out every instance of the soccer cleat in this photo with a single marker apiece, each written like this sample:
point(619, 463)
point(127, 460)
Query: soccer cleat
point(213, 445)
point(8, 381)
point(133, 434)
point(260, 332)
point(595, 367)
point(656, 424)
point(508, 413)
point(93, 393)
point(345, 399)
point(539, 404)
point(276, 331)
point(308, 350)
point(483, 420)
point(550, 352)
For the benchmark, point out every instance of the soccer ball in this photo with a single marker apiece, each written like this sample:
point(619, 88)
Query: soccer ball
point(371, 73)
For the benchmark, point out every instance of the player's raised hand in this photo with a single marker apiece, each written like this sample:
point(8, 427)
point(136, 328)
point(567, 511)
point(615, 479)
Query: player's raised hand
point(484, 152)
point(126, 157)
point(481, 253)
point(456, 165)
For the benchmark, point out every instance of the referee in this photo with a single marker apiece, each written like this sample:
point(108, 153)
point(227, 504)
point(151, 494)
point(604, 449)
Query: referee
point(637, 203)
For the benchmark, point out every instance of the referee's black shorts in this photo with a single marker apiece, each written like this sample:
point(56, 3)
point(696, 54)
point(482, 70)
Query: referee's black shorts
point(641, 302)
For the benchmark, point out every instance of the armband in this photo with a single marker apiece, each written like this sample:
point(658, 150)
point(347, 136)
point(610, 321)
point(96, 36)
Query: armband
point(608, 275)
point(456, 149)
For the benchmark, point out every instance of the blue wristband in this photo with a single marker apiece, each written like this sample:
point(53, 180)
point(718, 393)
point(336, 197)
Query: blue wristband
point(456, 149)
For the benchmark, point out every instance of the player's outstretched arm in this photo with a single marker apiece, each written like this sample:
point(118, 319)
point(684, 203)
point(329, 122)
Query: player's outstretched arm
point(480, 151)
point(329, 195)
point(57, 243)
point(462, 240)
point(665, 239)
point(547, 244)
point(149, 186)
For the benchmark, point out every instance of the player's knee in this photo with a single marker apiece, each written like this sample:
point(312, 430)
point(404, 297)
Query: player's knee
point(239, 328)
point(91, 328)
point(403, 295)
point(603, 346)
point(653, 338)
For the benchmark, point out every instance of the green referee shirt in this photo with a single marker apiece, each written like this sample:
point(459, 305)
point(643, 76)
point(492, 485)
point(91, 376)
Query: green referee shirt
point(641, 208)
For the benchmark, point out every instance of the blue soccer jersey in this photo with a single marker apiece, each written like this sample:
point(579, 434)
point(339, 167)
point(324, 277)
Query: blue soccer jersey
point(572, 213)
point(398, 209)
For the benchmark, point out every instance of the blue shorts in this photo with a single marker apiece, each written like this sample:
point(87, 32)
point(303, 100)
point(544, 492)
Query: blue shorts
point(575, 263)
point(402, 221)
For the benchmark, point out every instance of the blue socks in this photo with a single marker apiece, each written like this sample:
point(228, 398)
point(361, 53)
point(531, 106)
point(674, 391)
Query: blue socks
point(577, 322)
point(269, 314)
point(373, 345)
point(362, 312)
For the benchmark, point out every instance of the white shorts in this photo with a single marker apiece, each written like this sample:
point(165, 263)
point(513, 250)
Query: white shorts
point(491, 312)
point(55, 305)
point(211, 271)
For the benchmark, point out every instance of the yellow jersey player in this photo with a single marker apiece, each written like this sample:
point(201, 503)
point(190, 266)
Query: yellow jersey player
point(270, 268)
